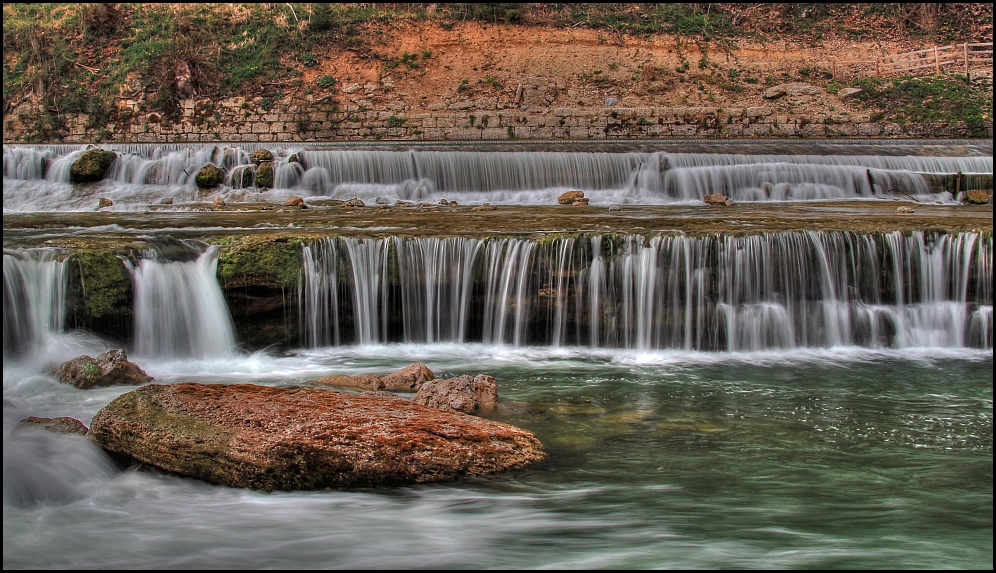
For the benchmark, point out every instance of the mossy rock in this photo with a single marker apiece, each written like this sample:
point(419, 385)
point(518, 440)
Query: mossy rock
point(294, 158)
point(267, 260)
point(209, 177)
point(261, 155)
point(977, 197)
point(91, 165)
point(105, 282)
point(264, 175)
point(243, 177)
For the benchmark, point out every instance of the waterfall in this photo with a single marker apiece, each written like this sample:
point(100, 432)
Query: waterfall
point(141, 174)
point(179, 308)
point(711, 293)
point(34, 297)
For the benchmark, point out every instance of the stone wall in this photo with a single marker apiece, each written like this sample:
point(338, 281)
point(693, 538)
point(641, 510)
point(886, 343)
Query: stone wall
point(316, 119)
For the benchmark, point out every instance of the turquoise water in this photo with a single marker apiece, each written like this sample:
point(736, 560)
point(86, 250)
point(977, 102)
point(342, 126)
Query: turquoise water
point(840, 458)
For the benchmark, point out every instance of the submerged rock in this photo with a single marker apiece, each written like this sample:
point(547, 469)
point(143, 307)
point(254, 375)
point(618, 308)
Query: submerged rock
point(104, 202)
point(61, 425)
point(91, 165)
point(209, 177)
point(264, 174)
point(569, 197)
point(408, 379)
point(267, 438)
point(218, 202)
point(464, 393)
point(111, 368)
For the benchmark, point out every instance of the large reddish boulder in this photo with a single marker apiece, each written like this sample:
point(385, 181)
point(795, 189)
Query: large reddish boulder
point(267, 438)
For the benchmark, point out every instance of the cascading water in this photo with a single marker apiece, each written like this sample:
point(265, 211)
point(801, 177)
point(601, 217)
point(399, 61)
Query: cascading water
point(34, 297)
point(748, 293)
point(179, 308)
point(143, 174)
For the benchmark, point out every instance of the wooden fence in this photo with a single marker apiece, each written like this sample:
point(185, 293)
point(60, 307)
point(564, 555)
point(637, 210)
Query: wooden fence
point(956, 57)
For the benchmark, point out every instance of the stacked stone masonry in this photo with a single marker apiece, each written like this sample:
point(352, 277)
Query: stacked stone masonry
point(242, 119)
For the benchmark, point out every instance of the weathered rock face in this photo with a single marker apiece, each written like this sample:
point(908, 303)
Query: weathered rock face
point(91, 165)
point(569, 197)
point(408, 379)
point(267, 438)
point(463, 394)
point(264, 174)
point(260, 155)
point(63, 425)
point(209, 177)
point(111, 368)
point(360, 382)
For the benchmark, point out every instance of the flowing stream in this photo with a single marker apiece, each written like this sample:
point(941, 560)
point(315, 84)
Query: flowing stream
point(804, 399)
point(37, 177)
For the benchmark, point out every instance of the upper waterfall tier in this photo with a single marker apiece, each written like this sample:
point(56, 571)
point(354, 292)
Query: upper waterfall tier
point(37, 178)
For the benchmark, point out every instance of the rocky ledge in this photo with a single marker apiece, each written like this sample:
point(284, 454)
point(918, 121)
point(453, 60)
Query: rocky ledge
point(267, 438)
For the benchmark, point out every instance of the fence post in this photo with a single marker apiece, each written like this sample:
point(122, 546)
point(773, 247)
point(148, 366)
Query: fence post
point(937, 62)
point(968, 78)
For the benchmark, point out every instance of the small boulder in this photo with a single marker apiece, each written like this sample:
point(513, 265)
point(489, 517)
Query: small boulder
point(104, 202)
point(569, 197)
point(484, 207)
point(611, 101)
point(359, 382)
point(111, 368)
point(293, 158)
point(218, 202)
point(848, 92)
point(261, 155)
point(408, 379)
point(295, 201)
point(62, 425)
point(453, 204)
point(209, 177)
point(905, 210)
point(462, 394)
point(579, 201)
point(91, 165)
point(977, 197)
point(266, 438)
point(444, 202)
point(166, 201)
point(264, 174)
point(717, 199)
point(354, 202)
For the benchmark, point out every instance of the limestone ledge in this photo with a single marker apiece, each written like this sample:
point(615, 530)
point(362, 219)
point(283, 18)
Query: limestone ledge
point(242, 119)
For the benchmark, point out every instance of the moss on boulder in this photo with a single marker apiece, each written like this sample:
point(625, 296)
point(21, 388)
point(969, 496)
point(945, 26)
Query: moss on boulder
point(91, 165)
point(261, 155)
point(104, 285)
point(266, 260)
point(209, 176)
point(264, 174)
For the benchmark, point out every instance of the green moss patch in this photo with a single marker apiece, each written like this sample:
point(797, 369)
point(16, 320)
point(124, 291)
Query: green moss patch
point(261, 260)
